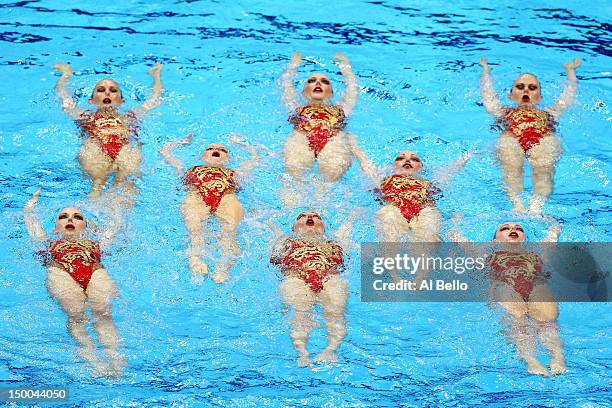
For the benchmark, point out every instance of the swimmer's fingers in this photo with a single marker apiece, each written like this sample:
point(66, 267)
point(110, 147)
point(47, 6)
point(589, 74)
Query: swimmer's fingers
point(63, 68)
point(572, 65)
point(187, 139)
point(296, 59)
point(29, 206)
point(342, 58)
point(156, 70)
point(485, 65)
point(238, 139)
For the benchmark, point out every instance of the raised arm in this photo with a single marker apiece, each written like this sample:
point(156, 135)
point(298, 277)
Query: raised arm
point(367, 166)
point(569, 92)
point(247, 166)
point(69, 105)
point(290, 96)
point(343, 233)
point(155, 99)
point(33, 225)
point(349, 98)
point(166, 152)
point(489, 97)
point(444, 175)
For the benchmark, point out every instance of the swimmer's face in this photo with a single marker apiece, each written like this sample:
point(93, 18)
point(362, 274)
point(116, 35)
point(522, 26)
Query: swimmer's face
point(106, 94)
point(407, 163)
point(309, 222)
point(510, 232)
point(215, 154)
point(318, 88)
point(526, 90)
point(70, 222)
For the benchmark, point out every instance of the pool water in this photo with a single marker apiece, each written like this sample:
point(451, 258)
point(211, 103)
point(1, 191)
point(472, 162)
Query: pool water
point(190, 344)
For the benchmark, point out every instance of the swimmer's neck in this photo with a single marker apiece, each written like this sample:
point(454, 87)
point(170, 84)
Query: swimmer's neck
point(209, 164)
point(311, 236)
point(318, 102)
point(514, 246)
point(112, 110)
point(70, 237)
point(528, 105)
point(407, 173)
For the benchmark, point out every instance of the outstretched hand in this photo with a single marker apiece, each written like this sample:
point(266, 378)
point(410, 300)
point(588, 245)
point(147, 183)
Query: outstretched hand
point(485, 65)
point(238, 139)
point(64, 69)
point(296, 59)
point(155, 72)
point(29, 206)
point(187, 139)
point(572, 65)
point(343, 59)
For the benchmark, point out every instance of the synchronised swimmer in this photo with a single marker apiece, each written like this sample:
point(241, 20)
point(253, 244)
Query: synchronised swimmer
point(311, 260)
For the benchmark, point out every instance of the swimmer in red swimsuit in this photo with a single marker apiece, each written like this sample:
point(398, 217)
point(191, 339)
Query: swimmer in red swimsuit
point(518, 285)
point(528, 132)
point(409, 210)
point(318, 127)
point(211, 189)
point(311, 265)
point(108, 147)
point(77, 280)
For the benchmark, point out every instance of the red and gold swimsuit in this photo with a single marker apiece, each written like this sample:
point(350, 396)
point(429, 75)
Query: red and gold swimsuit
point(319, 122)
point(528, 125)
point(314, 261)
point(409, 194)
point(520, 269)
point(78, 257)
point(212, 183)
point(110, 131)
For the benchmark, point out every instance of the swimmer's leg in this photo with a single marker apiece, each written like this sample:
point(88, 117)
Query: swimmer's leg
point(195, 213)
point(391, 226)
point(424, 237)
point(519, 331)
point(230, 213)
point(333, 298)
point(543, 158)
point(544, 311)
point(128, 165)
point(298, 157)
point(97, 165)
point(512, 158)
point(335, 158)
point(296, 293)
point(71, 298)
point(425, 227)
point(100, 292)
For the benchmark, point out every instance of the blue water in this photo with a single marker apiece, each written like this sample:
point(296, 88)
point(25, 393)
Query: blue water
point(189, 344)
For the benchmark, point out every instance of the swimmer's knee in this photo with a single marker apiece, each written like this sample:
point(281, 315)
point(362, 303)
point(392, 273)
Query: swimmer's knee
point(542, 158)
